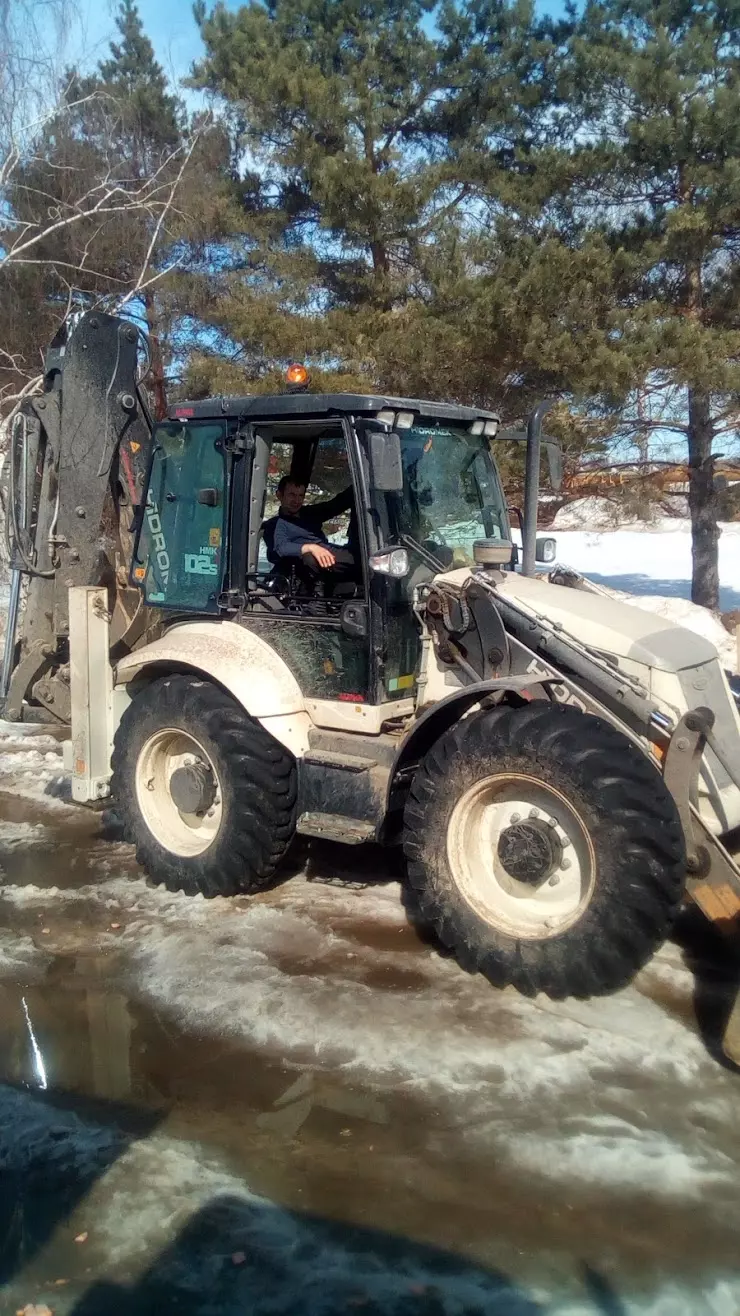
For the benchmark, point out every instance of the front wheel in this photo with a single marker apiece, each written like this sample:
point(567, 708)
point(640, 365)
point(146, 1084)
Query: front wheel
point(206, 795)
point(545, 850)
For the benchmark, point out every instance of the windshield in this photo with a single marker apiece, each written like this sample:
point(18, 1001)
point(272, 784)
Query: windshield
point(451, 493)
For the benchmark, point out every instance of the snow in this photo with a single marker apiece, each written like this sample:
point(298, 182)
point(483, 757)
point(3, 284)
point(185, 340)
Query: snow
point(20, 958)
point(31, 765)
point(450, 1088)
point(594, 514)
point(648, 558)
point(289, 976)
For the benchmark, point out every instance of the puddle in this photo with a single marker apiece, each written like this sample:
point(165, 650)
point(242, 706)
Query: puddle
point(395, 938)
point(129, 1113)
point(293, 1104)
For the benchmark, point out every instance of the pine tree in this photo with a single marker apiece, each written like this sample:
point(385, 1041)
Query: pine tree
point(388, 173)
point(531, 276)
point(330, 97)
point(657, 88)
point(150, 116)
point(329, 100)
point(148, 129)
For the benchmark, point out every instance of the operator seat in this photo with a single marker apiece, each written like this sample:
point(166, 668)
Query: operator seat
point(301, 579)
point(304, 578)
point(267, 530)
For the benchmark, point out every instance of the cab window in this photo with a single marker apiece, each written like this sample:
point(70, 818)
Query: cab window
point(179, 555)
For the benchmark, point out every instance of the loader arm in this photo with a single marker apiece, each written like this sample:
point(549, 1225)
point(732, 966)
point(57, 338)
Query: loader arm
point(75, 468)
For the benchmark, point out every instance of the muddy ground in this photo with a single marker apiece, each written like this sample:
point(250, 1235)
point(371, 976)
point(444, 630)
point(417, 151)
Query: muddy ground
point(294, 1103)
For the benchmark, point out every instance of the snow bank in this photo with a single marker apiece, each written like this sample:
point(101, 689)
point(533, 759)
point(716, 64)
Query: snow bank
point(595, 514)
point(648, 559)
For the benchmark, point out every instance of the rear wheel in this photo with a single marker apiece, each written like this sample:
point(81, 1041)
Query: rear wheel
point(205, 793)
point(545, 850)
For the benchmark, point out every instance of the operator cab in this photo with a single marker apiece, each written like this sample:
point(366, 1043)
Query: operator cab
point(396, 490)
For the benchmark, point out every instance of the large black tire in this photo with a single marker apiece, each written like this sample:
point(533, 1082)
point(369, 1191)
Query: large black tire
point(256, 781)
point(626, 833)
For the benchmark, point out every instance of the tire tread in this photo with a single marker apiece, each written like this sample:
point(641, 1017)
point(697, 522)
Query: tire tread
point(636, 833)
point(259, 787)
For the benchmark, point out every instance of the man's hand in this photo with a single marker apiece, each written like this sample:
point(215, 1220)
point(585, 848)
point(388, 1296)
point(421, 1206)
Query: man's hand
point(323, 556)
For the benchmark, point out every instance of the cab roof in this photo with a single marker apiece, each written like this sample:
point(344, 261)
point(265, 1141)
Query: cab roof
point(287, 406)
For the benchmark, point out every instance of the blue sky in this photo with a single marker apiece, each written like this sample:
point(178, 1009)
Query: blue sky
point(170, 26)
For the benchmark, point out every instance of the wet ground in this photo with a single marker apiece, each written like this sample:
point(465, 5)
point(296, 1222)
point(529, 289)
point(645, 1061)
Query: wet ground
point(294, 1104)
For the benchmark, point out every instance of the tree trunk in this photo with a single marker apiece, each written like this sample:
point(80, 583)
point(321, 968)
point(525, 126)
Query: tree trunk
point(703, 507)
point(702, 503)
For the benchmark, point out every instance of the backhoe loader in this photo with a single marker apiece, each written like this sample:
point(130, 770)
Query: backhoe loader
point(561, 769)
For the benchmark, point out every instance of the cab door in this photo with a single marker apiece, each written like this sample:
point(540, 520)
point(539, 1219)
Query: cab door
point(180, 552)
point(318, 630)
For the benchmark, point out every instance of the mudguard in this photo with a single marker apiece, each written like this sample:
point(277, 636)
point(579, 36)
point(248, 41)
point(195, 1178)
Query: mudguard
point(237, 659)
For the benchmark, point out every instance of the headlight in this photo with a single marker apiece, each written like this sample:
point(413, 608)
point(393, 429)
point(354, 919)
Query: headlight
point(393, 563)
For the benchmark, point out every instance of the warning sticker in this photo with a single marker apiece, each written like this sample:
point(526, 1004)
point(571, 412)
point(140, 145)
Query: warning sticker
point(401, 682)
point(214, 537)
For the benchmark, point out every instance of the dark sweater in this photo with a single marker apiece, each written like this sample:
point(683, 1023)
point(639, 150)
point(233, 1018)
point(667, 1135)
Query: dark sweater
point(285, 535)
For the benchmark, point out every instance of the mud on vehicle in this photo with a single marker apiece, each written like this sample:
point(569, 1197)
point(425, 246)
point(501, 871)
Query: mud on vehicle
point(561, 769)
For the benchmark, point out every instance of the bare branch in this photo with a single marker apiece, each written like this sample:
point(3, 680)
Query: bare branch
point(79, 266)
point(106, 197)
point(676, 427)
point(160, 274)
point(17, 398)
point(142, 282)
point(33, 53)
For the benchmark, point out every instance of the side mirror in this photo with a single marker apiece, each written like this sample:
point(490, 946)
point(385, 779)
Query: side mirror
point(545, 549)
point(386, 467)
point(554, 463)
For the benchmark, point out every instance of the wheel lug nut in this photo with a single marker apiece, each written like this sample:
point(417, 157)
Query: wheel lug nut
point(515, 818)
point(553, 823)
point(554, 880)
point(534, 813)
point(150, 784)
point(565, 863)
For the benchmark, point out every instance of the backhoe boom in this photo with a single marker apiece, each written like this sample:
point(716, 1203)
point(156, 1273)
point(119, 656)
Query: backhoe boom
point(77, 460)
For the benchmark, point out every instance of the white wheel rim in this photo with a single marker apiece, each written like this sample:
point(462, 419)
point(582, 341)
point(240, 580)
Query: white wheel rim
point(186, 834)
point(531, 909)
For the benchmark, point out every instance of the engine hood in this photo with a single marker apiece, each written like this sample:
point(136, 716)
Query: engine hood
point(610, 625)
